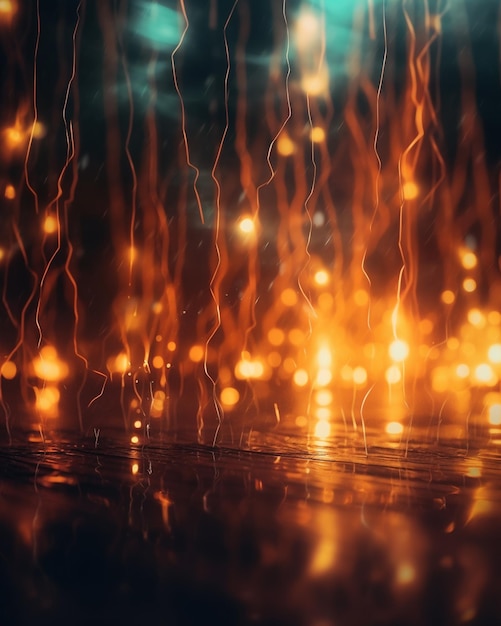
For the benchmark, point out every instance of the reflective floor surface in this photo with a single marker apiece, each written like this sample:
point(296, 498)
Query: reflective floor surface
point(94, 532)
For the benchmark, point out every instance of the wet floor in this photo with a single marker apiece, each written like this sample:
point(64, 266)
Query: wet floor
point(181, 534)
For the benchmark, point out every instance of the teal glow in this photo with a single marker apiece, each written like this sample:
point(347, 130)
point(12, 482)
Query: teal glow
point(157, 25)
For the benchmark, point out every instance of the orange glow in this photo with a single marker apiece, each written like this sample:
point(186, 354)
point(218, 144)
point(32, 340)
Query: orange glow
point(462, 370)
point(158, 403)
point(410, 190)
point(495, 414)
point(50, 225)
point(196, 354)
point(48, 366)
point(317, 134)
point(359, 376)
point(8, 370)
point(448, 297)
point(324, 357)
point(247, 225)
point(301, 378)
point(285, 146)
point(248, 369)
point(289, 297)
point(323, 397)
point(469, 260)
point(322, 429)
point(393, 375)
point(394, 428)
point(494, 353)
point(476, 318)
point(276, 336)
point(321, 278)
point(469, 285)
point(47, 401)
point(485, 374)
point(398, 350)
point(10, 192)
point(7, 10)
point(118, 364)
point(229, 396)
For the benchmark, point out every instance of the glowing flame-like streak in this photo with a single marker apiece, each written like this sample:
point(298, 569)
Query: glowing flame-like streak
point(189, 162)
point(70, 153)
point(130, 160)
point(376, 137)
point(35, 109)
point(213, 290)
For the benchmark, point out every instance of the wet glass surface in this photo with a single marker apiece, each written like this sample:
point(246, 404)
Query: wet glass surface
point(182, 534)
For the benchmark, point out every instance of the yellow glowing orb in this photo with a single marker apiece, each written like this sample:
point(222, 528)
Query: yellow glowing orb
point(398, 350)
point(495, 414)
point(323, 397)
point(157, 362)
point(323, 413)
point(324, 357)
point(248, 369)
point(469, 285)
point(462, 370)
point(410, 190)
point(494, 353)
point(8, 370)
point(476, 318)
point(288, 297)
point(7, 9)
point(324, 377)
point(134, 468)
point(317, 134)
point(229, 396)
point(322, 429)
point(485, 374)
point(321, 278)
point(393, 375)
point(196, 353)
point(134, 439)
point(301, 377)
point(276, 336)
point(394, 428)
point(316, 84)
point(10, 192)
point(50, 225)
point(285, 146)
point(448, 297)
point(247, 225)
point(47, 400)
point(138, 424)
point(359, 376)
point(48, 366)
point(469, 260)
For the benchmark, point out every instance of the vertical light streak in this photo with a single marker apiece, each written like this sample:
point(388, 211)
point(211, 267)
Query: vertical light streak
point(70, 153)
point(128, 154)
point(310, 222)
point(289, 111)
point(35, 109)
point(376, 140)
point(214, 277)
point(189, 162)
